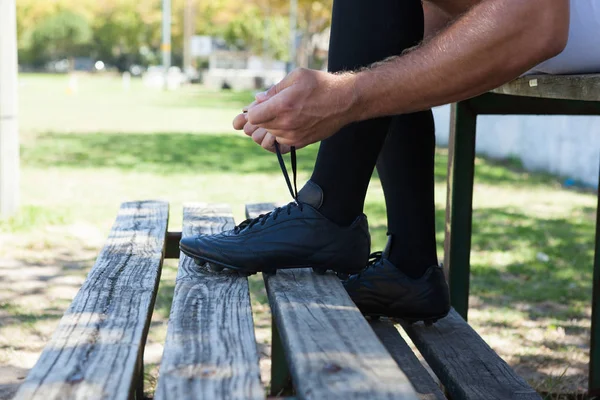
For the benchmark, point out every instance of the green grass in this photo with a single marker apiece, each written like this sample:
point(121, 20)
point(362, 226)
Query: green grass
point(85, 153)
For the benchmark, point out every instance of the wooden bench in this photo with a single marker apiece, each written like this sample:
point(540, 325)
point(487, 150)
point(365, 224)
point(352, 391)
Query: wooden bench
point(323, 348)
point(538, 95)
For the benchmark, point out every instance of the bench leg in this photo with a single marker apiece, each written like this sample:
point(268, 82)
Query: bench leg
point(139, 385)
point(459, 204)
point(594, 378)
point(281, 380)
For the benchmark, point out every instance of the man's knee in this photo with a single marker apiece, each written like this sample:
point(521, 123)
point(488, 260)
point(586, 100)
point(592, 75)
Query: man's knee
point(453, 8)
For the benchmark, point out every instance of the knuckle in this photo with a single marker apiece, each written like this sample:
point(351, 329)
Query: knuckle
point(300, 72)
point(273, 90)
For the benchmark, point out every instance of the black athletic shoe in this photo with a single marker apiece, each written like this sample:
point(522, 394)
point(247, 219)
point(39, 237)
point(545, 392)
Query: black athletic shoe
point(293, 236)
point(383, 290)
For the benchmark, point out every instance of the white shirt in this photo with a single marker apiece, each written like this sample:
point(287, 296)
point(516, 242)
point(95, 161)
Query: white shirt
point(582, 53)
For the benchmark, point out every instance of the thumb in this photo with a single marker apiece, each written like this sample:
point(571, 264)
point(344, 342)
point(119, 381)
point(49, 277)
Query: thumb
point(273, 90)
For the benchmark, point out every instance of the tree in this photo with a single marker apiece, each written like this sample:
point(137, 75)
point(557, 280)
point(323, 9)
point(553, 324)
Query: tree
point(254, 31)
point(61, 35)
point(125, 31)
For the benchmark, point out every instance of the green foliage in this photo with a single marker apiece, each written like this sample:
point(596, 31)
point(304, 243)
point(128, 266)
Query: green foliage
point(60, 35)
point(251, 30)
point(128, 31)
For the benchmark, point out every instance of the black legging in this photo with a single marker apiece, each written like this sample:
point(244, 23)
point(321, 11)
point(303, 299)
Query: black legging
point(402, 146)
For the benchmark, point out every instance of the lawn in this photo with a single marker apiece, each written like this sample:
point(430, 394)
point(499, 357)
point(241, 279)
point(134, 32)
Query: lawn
point(85, 152)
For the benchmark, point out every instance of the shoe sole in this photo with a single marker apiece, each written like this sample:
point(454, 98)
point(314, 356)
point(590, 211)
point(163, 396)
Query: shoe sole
point(218, 266)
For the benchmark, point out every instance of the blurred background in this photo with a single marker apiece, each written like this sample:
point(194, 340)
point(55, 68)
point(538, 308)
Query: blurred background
point(206, 38)
point(122, 100)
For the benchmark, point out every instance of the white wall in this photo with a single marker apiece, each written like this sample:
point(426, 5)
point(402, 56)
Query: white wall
point(561, 145)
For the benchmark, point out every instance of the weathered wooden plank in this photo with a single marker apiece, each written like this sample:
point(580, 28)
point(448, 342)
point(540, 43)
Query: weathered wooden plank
point(96, 351)
point(281, 379)
point(425, 386)
point(331, 350)
point(210, 351)
point(466, 365)
point(570, 87)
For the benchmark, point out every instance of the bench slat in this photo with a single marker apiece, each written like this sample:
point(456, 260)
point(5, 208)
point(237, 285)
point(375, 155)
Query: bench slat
point(465, 364)
point(330, 348)
point(570, 87)
point(210, 351)
point(96, 351)
point(425, 386)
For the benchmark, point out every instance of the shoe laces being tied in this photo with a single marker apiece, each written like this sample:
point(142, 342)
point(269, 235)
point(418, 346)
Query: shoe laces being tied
point(262, 219)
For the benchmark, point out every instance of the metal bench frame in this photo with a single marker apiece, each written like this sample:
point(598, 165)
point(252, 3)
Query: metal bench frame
point(531, 95)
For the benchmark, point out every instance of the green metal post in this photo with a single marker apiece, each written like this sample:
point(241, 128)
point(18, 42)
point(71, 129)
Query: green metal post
point(594, 379)
point(281, 380)
point(459, 205)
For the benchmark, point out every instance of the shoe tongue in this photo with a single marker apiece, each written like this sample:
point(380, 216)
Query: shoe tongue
point(311, 194)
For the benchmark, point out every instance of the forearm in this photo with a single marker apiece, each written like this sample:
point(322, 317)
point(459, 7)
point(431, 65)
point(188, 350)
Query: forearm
point(478, 52)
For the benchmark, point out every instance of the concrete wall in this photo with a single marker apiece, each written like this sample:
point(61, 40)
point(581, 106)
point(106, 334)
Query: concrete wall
point(561, 145)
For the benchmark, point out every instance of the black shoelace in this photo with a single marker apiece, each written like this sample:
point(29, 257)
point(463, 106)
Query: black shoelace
point(262, 219)
point(374, 258)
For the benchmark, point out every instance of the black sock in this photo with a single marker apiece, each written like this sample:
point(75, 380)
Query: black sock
point(406, 170)
point(362, 33)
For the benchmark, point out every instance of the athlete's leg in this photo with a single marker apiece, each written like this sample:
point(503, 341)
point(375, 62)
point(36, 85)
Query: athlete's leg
point(362, 32)
point(405, 281)
point(405, 167)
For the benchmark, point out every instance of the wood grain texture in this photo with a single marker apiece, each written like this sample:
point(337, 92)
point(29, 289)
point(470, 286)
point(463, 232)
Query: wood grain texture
point(466, 365)
point(96, 351)
point(571, 87)
point(330, 348)
point(210, 351)
point(423, 383)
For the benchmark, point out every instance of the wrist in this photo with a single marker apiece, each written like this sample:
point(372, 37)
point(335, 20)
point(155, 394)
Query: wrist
point(359, 108)
point(346, 98)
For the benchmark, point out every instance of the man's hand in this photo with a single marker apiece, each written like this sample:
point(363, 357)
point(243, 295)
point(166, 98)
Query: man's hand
point(259, 135)
point(305, 107)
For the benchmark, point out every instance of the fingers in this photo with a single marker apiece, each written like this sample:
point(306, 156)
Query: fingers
point(245, 109)
point(268, 142)
point(249, 129)
point(259, 135)
point(266, 108)
point(284, 148)
point(239, 121)
point(275, 89)
point(274, 113)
